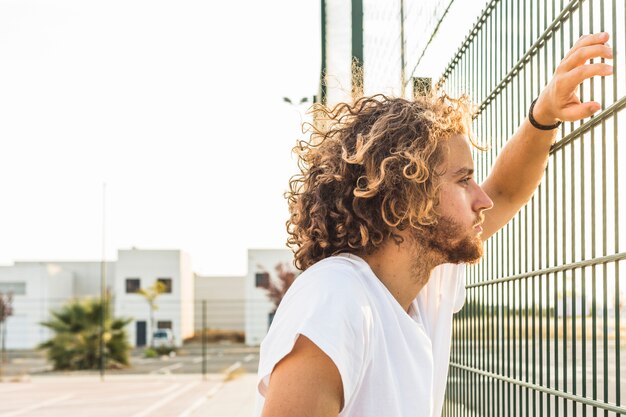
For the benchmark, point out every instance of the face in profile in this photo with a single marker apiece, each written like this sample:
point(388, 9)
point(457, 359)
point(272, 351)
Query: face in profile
point(456, 237)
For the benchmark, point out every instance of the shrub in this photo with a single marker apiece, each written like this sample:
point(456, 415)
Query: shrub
point(76, 343)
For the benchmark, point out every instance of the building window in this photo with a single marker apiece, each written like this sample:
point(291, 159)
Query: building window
point(15, 288)
point(132, 285)
point(164, 324)
point(167, 282)
point(262, 280)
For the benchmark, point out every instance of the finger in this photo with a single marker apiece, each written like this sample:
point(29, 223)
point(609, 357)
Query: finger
point(579, 111)
point(572, 79)
point(584, 54)
point(587, 40)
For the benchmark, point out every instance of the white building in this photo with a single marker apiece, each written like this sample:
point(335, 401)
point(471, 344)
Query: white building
point(237, 303)
point(137, 269)
point(262, 264)
point(37, 287)
point(42, 286)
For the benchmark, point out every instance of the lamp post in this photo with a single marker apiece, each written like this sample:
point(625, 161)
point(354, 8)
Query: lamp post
point(297, 104)
point(302, 101)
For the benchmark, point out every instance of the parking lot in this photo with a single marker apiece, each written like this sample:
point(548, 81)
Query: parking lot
point(165, 386)
point(219, 358)
point(129, 396)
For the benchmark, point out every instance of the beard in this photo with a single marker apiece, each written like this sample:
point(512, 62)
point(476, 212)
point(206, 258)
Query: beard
point(448, 241)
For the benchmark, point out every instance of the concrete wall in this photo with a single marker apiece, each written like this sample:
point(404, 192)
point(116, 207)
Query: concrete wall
point(87, 276)
point(225, 301)
point(187, 296)
point(47, 287)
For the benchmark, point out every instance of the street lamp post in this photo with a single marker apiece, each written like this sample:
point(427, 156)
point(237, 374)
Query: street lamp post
point(297, 104)
point(302, 100)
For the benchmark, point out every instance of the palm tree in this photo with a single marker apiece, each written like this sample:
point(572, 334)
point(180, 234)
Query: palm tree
point(151, 294)
point(76, 343)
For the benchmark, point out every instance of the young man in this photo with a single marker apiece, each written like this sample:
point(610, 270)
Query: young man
point(384, 215)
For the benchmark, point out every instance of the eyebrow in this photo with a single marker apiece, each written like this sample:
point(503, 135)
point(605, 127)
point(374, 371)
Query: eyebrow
point(463, 171)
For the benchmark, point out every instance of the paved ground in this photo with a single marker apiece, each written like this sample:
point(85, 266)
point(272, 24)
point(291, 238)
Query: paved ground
point(129, 396)
point(218, 358)
point(157, 387)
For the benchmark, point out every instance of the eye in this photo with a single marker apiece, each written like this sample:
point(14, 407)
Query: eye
point(465, 180)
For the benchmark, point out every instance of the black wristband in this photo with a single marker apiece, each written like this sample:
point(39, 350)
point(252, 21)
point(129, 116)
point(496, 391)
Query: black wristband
point(535, 123)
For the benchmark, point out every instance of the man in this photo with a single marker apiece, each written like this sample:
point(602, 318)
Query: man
point(383, 216)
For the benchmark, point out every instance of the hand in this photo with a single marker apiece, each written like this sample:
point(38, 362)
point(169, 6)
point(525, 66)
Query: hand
point(558, 100)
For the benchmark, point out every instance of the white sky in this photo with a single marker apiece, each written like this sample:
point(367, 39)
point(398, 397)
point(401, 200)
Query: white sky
point(177, 106)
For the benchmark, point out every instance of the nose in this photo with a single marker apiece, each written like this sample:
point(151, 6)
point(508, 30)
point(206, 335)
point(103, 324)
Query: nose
point(482, 201)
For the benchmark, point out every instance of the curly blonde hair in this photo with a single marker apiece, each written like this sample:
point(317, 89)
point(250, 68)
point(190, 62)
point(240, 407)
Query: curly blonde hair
point(369, 170)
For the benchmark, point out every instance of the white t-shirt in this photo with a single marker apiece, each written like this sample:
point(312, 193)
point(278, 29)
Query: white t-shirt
point(392, 363)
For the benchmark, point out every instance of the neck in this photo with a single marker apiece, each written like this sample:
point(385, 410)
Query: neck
point(403, 268)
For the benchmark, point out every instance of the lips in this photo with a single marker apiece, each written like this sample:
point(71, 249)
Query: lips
point(478, 226)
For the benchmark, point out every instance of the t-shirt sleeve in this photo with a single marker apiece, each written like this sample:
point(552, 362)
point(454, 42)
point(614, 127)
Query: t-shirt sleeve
point(459, 279)
point(443, 295)
point(332, 312)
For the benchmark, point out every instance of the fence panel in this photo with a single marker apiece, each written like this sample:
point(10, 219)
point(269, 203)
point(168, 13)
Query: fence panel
point(542, 331)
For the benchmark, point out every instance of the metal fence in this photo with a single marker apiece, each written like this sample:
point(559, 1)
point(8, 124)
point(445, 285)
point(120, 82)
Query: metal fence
point(542, 331)
point(222, 318)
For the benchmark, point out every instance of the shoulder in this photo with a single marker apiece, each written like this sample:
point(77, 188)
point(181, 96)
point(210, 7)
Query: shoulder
point(329, 305)
point(336, 277)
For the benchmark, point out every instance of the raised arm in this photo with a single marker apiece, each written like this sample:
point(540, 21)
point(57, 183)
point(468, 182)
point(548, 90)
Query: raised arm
point(520, 165)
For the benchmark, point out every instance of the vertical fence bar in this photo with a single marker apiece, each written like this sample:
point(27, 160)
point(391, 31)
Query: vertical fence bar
point(548, 244)
point(541, 241)
point(573, 241)
point(617, 304)
point(204, 340)
point(564, 243)
point(583, 240)
point(604, 231)
point(594, 326)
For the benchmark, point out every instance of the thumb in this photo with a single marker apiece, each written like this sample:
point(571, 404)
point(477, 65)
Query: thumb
point(580, 111)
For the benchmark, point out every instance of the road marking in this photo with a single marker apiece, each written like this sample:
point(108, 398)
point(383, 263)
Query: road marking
point(232, 367)
point(108, 399)
point(214, 390)
point(167, 369)
point(248, 358)
point(187, 412)
point(165, 400)
point(36, 406)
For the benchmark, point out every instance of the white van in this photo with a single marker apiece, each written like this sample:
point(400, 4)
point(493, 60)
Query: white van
point(163, 337)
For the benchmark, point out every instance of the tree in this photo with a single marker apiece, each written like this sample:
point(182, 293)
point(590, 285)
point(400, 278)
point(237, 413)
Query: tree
point(151, 294)
point(276, 290)
point(6, 310)
point(76, 343)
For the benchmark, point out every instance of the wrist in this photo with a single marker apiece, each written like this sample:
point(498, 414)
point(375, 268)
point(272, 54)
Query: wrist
point(541, 118)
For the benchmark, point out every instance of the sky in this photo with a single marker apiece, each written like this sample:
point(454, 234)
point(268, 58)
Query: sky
point(176, 106)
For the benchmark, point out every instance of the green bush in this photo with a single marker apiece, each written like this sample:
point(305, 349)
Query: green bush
point(76, 343)
point(150, 353)
point(164, 350)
